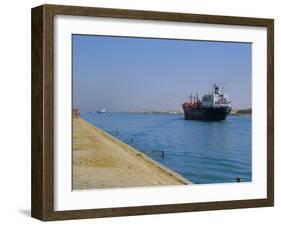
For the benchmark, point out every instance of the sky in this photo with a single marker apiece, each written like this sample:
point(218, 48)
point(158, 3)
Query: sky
point(136, 74)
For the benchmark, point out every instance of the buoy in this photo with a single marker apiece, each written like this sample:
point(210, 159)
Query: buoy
point(163, 154)
point(238, 179)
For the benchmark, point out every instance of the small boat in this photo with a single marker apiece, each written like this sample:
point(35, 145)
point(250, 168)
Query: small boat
point(103, 110)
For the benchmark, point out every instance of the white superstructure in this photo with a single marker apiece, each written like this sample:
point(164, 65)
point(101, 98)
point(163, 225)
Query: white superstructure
point(216, 99)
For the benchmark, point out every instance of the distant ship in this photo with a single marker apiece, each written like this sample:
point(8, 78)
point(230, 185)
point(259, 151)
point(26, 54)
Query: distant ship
point(102, 110)
point(213, 107)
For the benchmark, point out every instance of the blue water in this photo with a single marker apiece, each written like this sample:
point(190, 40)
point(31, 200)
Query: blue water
point(204, 152)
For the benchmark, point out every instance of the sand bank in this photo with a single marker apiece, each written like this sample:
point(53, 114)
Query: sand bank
point(102, 161)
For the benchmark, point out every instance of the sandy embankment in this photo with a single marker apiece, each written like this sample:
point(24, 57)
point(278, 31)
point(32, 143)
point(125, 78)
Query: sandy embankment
point(101, 161)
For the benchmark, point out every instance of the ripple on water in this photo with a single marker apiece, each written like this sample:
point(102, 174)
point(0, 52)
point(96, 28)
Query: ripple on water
point(204, 152)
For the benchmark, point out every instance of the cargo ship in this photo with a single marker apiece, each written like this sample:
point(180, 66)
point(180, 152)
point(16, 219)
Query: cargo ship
point(212, 107)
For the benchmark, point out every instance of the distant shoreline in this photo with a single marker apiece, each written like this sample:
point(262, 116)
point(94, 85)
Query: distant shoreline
point(237, 112)
point(247, 111)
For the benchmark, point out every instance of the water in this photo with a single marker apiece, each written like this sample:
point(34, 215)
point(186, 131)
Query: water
point(204, 152)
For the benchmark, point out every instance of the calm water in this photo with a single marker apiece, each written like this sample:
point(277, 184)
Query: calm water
point(204, 152)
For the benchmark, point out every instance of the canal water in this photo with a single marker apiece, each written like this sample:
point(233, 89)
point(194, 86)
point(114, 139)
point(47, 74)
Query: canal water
point(204, 152)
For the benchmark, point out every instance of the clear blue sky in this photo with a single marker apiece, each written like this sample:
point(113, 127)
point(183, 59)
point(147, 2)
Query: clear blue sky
point(120, 74)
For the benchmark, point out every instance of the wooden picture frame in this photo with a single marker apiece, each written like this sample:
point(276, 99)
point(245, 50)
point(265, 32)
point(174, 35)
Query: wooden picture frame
point(42, 203)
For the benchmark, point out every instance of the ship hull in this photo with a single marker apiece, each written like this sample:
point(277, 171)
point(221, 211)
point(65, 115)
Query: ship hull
point(207, 114)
